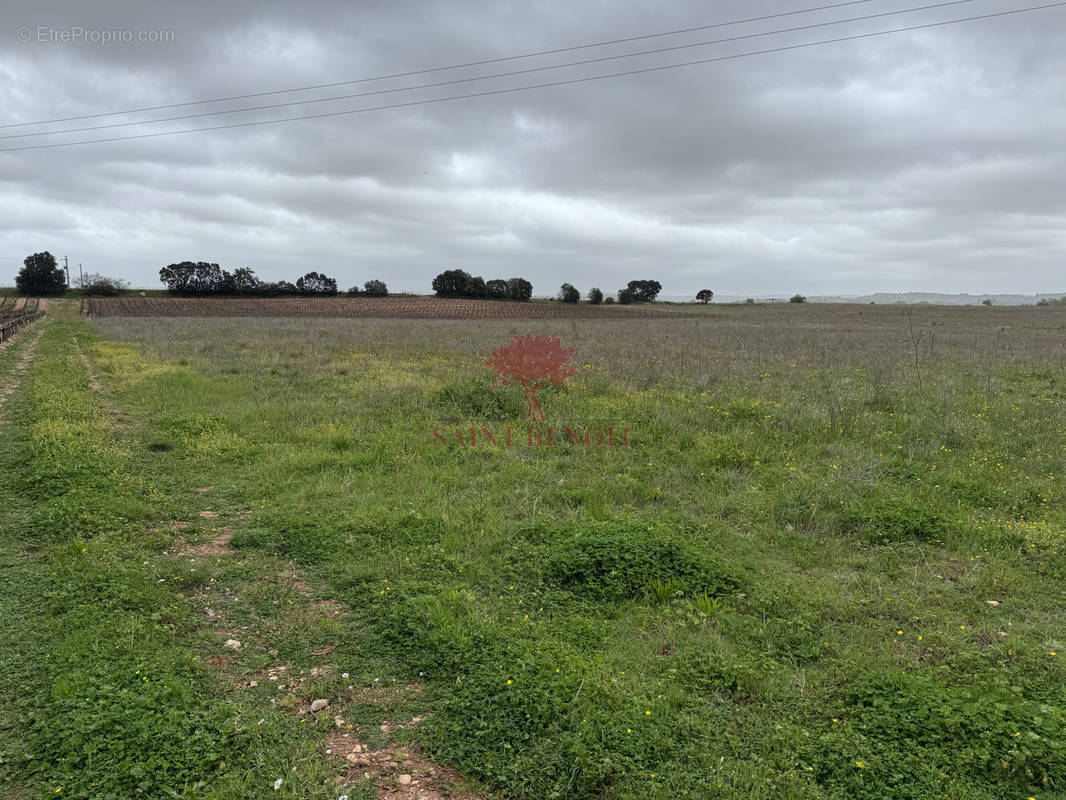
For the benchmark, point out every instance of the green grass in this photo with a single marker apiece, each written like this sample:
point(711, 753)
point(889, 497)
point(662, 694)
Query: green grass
point(779, 590)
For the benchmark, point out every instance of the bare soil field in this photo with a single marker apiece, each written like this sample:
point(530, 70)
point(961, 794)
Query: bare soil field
point(380, 307)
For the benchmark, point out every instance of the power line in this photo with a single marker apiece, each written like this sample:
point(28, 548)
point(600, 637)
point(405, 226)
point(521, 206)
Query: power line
point(568, 82)
point(511, 74)
point(429, 70)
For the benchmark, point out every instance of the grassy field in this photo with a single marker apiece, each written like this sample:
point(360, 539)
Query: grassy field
point(828, 564)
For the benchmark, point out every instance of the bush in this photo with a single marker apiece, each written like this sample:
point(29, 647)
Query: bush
point(40, 276)
point(626, 296)
point(595, 296)
point(317, 284)
point(375, 288)
point(704, 296)
point(96, 285)
point(568, 293)
point(797, 298)
point(608, 300)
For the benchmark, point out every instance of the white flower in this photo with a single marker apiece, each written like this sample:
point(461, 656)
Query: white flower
point(277, 783)
point(344, 675)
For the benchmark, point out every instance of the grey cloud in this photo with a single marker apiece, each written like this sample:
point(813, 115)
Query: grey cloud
point(921, 161)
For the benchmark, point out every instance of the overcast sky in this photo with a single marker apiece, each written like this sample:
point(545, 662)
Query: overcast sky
point(930, 160)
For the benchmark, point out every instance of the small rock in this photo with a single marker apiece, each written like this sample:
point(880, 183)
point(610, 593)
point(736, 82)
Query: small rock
point(403, 779)
point(318, 705)
point(252, 684)
point(232, 644)
point(992, 603)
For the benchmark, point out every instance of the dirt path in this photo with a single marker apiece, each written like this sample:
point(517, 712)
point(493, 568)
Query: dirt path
point(13, 378)
point(398, 771)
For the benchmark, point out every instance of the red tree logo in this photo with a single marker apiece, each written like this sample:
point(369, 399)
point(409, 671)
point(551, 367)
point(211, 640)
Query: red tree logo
point(532, 362)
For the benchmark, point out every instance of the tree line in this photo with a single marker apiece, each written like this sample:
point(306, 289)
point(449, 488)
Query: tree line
point(204, 279)
point(644, 291)
point(41, 276)
point(459, 283)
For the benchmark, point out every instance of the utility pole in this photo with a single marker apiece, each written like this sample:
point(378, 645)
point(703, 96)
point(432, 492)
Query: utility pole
point(81, 276)
point(66, 269)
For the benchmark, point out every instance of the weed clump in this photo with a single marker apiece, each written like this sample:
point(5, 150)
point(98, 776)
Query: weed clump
point(900, 735)
point(473, 399)
point(610, 563)
point(881, 521)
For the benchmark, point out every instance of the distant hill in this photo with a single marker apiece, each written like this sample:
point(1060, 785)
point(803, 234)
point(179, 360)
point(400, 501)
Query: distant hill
point(885, 298)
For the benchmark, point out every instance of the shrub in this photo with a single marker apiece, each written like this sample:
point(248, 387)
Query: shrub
point(41, 276)
point(375, 288)
point(704, 296)
point(568, 293)
point(608, 300)
point(595, 296)
point(797, 298)
point(96, 285)
point(626, 296)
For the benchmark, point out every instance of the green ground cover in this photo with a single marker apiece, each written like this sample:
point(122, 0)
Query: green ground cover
point(828, 565)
